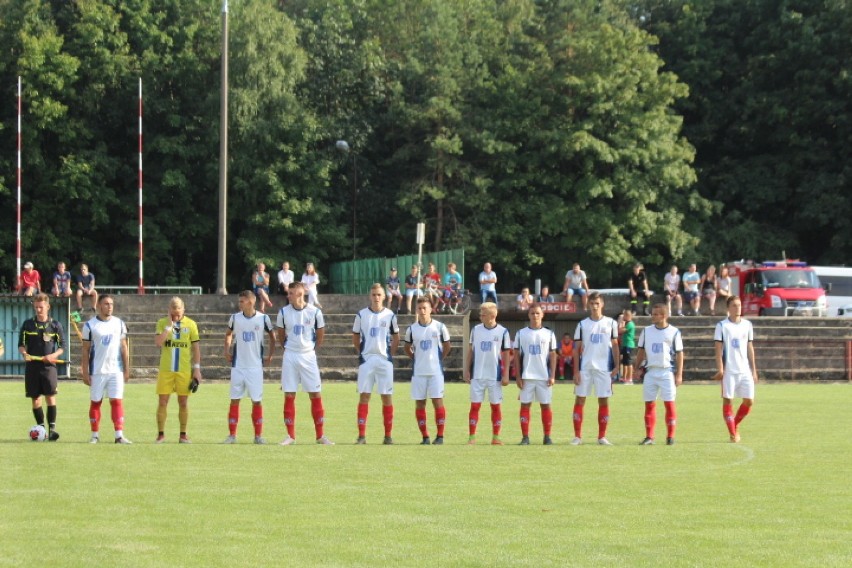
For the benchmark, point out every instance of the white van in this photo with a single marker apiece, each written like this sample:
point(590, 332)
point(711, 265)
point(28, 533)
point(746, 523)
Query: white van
point(840, 296)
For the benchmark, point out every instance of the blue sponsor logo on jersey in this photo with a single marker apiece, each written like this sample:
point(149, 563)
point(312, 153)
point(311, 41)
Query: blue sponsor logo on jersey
point(298, 330)
point(656, 348)
point(248, 336)
point(735, 343)
point(374, 332)
point(485, 346)
point(535, 349)
point(597, 338)
point(106, 340)
point(426, 344)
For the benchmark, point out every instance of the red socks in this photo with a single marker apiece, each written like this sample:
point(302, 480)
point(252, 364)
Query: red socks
point(233, 418)
point(473, 417)
point(671, 418)
point(256, 419)
point(742, 412)
point(496, 419)
point(546, 420)
point(290, 415)
point(728, 415)
point(525, 421)
point(577, 418)
point(95, 415)
point(387, 419)
point(117, 414)
point(420, 414)
point(603, 420)
point(363, 411)
point(318, 414)
point(650, 418)
point(440, 419)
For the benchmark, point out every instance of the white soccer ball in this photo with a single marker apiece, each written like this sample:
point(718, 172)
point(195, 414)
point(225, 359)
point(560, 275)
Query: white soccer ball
point(37, 434)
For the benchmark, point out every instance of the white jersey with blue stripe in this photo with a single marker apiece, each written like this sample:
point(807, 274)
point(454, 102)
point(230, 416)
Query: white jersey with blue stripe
point(597, 336)
point(735, 338)
point(105, 350)
point(376, 330)
point(427, 343)
point(534, 347)
point(487, 346)
point(660, 345)
point(300, 327)
point(247, 336)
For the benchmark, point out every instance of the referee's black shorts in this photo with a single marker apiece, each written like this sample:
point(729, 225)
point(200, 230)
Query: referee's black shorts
point(40, 380)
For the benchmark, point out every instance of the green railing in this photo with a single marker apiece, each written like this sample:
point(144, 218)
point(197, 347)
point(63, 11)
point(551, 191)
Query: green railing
point(356, 276)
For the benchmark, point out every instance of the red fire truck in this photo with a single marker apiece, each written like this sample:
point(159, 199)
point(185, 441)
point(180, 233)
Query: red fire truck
point(778, 288)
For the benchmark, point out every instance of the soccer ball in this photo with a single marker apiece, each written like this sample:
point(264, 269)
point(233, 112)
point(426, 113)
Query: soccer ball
point(37, 434)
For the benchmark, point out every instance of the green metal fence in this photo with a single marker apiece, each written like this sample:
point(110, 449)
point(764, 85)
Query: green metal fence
point(14, 310)
point(356, 276)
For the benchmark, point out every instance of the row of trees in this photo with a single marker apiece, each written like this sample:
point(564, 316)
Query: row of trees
point(534, 133)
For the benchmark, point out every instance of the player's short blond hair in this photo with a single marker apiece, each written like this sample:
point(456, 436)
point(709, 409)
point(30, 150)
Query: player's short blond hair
point(176, 302)
point(488, 307)
point(377, 286)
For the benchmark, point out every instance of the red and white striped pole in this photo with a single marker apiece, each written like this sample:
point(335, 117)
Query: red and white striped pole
point(141, 288)
point(18, 236)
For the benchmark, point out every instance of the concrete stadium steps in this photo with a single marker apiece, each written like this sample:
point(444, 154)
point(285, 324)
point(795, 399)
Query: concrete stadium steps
point(336, 357)
point(787, 348)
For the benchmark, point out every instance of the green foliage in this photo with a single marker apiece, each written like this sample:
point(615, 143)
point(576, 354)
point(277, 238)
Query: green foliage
point(532, 133)
point(769, 116)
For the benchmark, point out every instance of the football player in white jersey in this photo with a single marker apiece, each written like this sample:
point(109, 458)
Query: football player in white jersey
point(301, 329)
point(427, 341)
point(244, 351)
point(375, 336)
point(660, 348)
point(535, 359)
point(487, 370)
point(105, 366)
point(595, 365)
point(735, 365)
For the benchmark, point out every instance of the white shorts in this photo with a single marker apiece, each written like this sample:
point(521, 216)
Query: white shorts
point(601, 380)
point(300, 369)
point(536, 390)
point(478, 387)
point(409, 292)
point(112, 383)
point(427, 386)
point(394, 293)
point(739, 385)
point(247, 381)
point(375, 371)
point(659, 382)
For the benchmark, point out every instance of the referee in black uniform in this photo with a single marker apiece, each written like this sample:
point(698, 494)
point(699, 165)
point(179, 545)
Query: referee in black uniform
point(42, 342)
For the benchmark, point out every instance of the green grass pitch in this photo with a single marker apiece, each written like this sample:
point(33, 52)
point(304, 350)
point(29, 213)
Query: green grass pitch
point(780, 498)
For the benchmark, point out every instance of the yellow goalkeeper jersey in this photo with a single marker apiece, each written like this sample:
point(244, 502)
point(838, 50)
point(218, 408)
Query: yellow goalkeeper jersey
point(176, 355)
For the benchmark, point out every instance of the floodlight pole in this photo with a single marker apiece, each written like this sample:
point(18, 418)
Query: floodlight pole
point(223, 160)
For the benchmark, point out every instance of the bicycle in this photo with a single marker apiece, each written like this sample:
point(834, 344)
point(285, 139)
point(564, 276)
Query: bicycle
point(452, 300)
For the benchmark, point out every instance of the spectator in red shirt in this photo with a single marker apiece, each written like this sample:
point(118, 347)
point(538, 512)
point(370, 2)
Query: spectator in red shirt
point(30, 281)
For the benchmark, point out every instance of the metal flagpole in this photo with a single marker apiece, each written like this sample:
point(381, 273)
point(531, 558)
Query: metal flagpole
point(18, 242)
point(221, 288)
point(141, 288)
